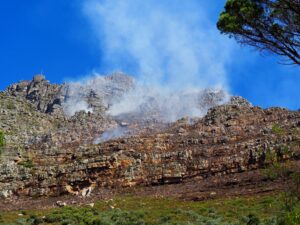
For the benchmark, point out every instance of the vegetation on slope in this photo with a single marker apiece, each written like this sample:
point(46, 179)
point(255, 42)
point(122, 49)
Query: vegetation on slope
point(2, 141)
point(135, 211)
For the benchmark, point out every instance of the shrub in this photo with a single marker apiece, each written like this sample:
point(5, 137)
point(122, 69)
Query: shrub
point(288, 173)
point(11, 105)
point(289, 218)
point(35, 220)
point(2, 141)
point(127, 218)
point(252, 220)
point(277, 129)
point(28, 163)
point(32, 220)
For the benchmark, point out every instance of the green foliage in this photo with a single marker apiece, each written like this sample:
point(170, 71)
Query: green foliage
point(27, 163)
point(2, 141)
point(276, 170)
point(252, 220)
point(32, 220)
point(70, 215)
point(268, 25)
point(287, 172)
point(270, 173)
point(10, 105)
point(254, 210)
point(293, 190)
point(271, 157)
point(91, 216)
point(277, 129)
point(289, 218)
point(296, 178)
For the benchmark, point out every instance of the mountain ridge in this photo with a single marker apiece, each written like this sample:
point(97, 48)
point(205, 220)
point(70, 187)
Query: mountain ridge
point(50, 154)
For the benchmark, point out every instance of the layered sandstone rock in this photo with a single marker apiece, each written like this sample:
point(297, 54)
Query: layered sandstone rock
point(230, 139)
point(53, 154)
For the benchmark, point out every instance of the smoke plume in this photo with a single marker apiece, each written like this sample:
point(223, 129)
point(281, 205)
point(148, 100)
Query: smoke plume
point(174, 51)
point(168, 42)
point(111, 134)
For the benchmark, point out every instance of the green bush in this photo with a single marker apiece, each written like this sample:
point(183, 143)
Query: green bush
point(28, 163)
point(277, 129)
point(289, 218)
point(11, 105)
point(2, 141)
point(241, 211)
point(278, 169)
point(91, 216)
point(252, 220)
point(32, 220)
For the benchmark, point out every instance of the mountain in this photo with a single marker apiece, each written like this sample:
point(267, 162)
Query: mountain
point(68, 139)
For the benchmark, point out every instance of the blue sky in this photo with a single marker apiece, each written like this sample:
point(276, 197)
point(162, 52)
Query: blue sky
point(55, 37)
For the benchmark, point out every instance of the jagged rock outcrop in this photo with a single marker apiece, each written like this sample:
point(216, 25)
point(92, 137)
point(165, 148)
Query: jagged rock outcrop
point(96, 94)
point(99, 93)
point(49, 98)
point(239, 101)
point(46, 97)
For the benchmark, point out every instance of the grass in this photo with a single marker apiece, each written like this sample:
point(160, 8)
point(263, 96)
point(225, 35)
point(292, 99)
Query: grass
point(132, 210)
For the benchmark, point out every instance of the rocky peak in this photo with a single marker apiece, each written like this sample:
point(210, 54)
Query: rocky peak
point(44, 96)
point(223, 113)
point(239, 101)
point(38, 78)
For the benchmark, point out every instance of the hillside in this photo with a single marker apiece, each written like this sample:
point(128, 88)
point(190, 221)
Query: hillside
point(93, 154)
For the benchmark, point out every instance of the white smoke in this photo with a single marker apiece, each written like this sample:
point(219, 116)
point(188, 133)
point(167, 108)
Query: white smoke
point(112, 134)
point(104, 90)
point(123, 98)
point(172, 47)
point(166, 43)
point(75, 104)
point(166, 105)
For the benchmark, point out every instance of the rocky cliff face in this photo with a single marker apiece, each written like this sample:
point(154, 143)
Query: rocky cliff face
point(49, 153)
